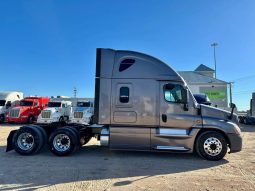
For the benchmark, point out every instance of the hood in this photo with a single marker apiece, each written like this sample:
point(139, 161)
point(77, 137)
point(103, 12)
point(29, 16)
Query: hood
point(53, 109)
point(22, 108)
point(81, 109)
point(213, 112)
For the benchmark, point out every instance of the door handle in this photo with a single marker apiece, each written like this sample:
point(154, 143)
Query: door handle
point(164, 118)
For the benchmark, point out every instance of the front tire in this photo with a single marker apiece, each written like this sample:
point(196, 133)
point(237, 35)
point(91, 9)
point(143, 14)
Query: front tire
point(61, 120)
point(2, 118)
point(211, 145)
point(30, 120)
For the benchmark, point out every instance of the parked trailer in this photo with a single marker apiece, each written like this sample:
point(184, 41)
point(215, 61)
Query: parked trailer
point(7, 101)
point(141, 104)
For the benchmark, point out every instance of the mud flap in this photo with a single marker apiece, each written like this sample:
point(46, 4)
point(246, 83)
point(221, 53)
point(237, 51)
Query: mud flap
point(9, 141)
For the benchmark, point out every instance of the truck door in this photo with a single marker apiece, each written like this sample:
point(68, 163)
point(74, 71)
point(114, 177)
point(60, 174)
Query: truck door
point(37, 109)
point(175, 117)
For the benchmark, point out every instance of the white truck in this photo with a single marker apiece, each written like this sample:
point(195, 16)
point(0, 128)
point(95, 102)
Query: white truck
point(7, 100)
point(82, 112)
point(57, 111)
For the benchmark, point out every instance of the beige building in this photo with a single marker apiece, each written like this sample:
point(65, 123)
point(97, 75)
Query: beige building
point(202, 81)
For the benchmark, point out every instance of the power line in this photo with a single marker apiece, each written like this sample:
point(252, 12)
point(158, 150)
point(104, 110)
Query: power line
point(242, 93)
point(245, 77)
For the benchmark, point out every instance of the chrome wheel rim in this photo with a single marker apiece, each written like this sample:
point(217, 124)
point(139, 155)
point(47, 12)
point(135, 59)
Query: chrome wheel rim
point(25, 141)
point(212, 146)
point(61, 142)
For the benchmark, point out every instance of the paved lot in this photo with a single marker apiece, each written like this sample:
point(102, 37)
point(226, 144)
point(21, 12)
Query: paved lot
point(97, 168)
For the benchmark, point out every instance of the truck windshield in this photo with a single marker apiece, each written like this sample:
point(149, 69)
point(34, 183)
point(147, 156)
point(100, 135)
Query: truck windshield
point(83, 104)
point(26, 103)
point(54, 104)
point(2, 102)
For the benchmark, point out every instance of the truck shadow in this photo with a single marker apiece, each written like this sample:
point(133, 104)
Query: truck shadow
point(92, 163)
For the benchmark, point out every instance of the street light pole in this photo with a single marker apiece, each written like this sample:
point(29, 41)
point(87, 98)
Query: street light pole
point(214, 45)
point(74, 92)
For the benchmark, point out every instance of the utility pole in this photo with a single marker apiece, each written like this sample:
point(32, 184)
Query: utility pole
point(75, 92)
point(214, 45)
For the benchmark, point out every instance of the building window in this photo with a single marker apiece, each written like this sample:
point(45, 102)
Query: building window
point(124, 95)
point(125, 64)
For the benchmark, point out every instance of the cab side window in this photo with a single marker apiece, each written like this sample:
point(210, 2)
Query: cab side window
point(174, 93)
point(124, 95)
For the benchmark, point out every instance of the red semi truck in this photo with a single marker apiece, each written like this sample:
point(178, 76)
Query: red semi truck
point(28, 110)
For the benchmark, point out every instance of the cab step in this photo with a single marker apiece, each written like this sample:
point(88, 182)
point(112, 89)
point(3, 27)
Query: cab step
point(171, 148)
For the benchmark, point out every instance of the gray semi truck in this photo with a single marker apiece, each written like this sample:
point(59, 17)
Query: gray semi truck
point(141, 104)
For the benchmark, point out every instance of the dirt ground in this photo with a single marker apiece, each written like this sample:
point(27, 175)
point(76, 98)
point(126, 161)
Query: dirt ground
point(96, 168)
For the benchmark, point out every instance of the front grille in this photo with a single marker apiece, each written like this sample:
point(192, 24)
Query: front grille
point(46, 114)
point(14, 113)
point(78, 115)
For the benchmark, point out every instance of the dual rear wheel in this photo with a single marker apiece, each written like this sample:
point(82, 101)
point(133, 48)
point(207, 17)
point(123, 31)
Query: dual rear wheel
point(31, 139)
point(64, 141)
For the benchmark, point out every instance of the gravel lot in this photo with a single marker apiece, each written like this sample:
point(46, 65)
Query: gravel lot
point(97, 168)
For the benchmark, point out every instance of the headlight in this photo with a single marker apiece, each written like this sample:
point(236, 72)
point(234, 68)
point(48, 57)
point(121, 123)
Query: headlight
point(237, 130)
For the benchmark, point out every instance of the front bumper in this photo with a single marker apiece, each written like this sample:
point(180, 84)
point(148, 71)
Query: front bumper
point(78, 121)
point(46, 121)
point(17, 120)
point(236, 142)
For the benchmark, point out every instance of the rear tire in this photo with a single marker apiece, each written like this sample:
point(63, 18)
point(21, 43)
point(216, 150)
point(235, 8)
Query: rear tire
point(77, 135)
point(43, 132)
point(211, 145)
point(27, 140)
point(63, 141)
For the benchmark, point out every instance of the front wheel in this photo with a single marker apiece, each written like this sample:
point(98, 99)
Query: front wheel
point(2, 119)
point(211, 145)
point(30, 120)
point(61, 120)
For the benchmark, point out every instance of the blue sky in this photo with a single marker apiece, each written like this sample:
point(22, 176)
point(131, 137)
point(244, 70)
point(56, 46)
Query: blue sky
point(48, 47)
